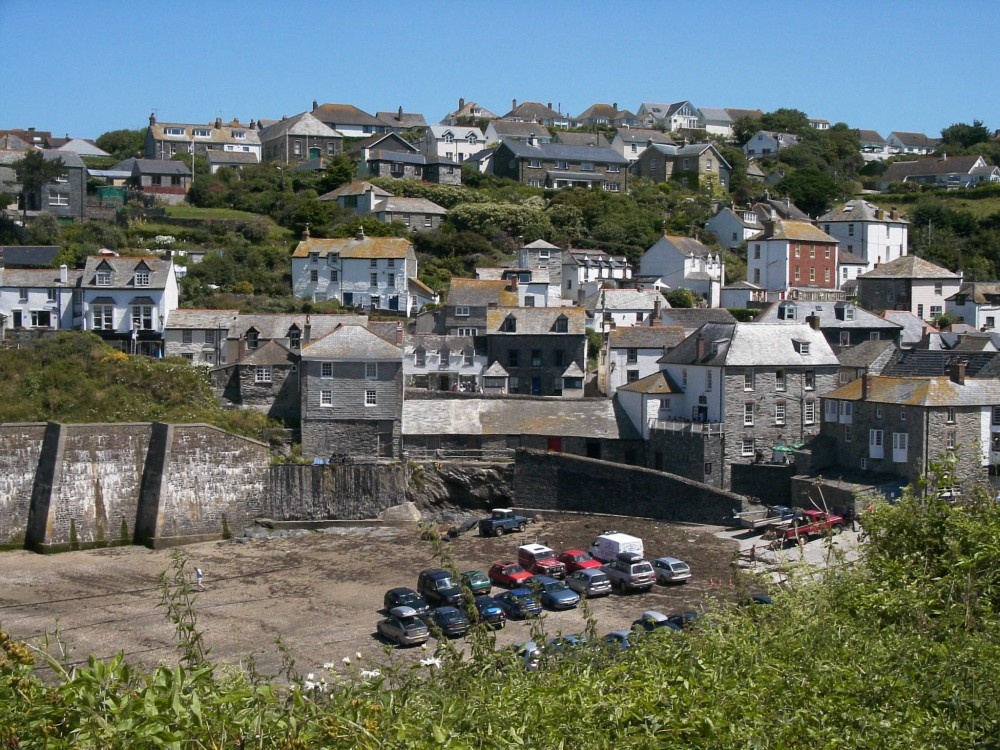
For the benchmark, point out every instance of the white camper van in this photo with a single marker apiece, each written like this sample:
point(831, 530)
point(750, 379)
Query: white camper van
point(610, 544)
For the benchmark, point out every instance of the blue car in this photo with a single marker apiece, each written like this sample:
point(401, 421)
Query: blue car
point(620, 639)
point(553, 593)
point(487, 610)
point(519, 603)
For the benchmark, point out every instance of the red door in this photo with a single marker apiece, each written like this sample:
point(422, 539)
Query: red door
point(555, 444)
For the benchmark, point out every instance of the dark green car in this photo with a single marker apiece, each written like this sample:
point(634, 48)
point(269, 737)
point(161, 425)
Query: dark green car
point(477, 581)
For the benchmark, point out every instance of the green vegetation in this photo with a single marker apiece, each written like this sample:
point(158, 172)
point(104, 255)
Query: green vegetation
point(898, 651)
point(73, 377)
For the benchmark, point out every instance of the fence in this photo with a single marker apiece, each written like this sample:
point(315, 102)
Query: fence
point(449, 454)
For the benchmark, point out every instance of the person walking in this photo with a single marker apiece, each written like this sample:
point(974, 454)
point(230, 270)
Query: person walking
point(199, 579)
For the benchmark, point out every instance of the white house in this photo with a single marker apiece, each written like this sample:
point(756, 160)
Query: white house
point(977, 304)
point(900, 142)
point(453, 142)
point(908, 283)
point(37, 298)
point(716, 121)
point(634, 352)
point(631, 142)
point(608, 309)
point(766, 142)
point(125, 300)
point(531, 285)
point(732, 227)
point(586, 271)
point(369, 272)
point(443, 363)
point(685, 263)
point(867, 231)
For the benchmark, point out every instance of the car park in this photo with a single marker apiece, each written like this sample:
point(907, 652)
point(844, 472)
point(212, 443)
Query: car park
point(519, 604)
point(629, 572)
point(449, 621)
point(403, 627)
point(577, 559)
point(685, 619)
point(562, 644)
point(620, 639)
point(508, 574)
point(401, 596)
point(589, 582)
point(529, 654)
point(671, 570)
point(438, 587)
point(553, 593)
point(486, 610)
point(651, 620)
point(477, 582)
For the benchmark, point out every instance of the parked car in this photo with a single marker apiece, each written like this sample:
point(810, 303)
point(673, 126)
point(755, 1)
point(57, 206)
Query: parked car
point(671, 570)
point(519, 604)
point(811, 523)
point(507, 574)
point(402, 596)
point(629, 572)
point(403, 627)
point(449, 621)
point(540, 560)
point(477, 582)
point(561, 644)
point(502, 521)
point(577, 559)
point(589, 582)
point(685, 619)
point(620, 639)
point(487, 610)
point(528, 653)
point(553, 593)
point(610, 544)
point(651, 620)
point(438, 587)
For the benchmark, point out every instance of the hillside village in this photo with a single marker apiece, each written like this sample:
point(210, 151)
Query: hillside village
point(839, 362)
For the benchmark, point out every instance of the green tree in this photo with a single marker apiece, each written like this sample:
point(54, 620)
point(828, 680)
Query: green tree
point(123, 144)
point(964, 135)
point(339, 171)
point(683, 298)
point(34, 172)
point(44, 230)
point(810, 189)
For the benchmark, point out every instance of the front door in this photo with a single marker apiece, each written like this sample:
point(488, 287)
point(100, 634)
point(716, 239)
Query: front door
point(536, 386)
point(555, 444)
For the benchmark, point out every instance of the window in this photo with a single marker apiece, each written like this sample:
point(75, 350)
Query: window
point(239, 134)
point(708, 380)
point(938, 289)
point(748, 414)
point(936, 311)
point(798, 273)
point(326, 369)
point(798, 253)
point(373, 279)
point(371, 398)
point(529, 300)
point(513, 357)
point(562, 325)
point(684, 382)
point(562, 165)
point(846, 411)
point(173, 131)
point(334, 275)
point(779, 380)
point(468, 331)
point(756, 251)
point(631, 376)
point(297, 148)
point(779, 412)
point(142, 317)
point(804, 348)
point(951, 415)
point(331, 148)
point(614, 168)
point(845, 376)
point(809, 412)
point(756, 276)
point(875, 447)
point(313, 275)
point(535, 183)
point(186, 337)
point(748, 380)
point(535, 163)
point(612, 187)
point(812, 274)
point(371, 370)
point(828, 252)
point(326, 398)
point(50, 294)
point(461, 311)
point(252, 339)
point(536, 357)
point(950, 440)
point(812, 251)
point(899, 445)
point(850, 230)
point(848, 434)
point(920, 311)
point(708, 468)
point(902, 413)
point(878, 411)
point(845, 338)
point(826, 274)
point(990, 321)
point(708, 165)
point(746, 447)
point(58, 199)
point(103, 278)
point(587, 166)
point(831, 411)
point(262, 374)
point(652, 165)
point(631, 356)
point(390, 280)
point(809, 380)
point(22, 294)
point(41, 319)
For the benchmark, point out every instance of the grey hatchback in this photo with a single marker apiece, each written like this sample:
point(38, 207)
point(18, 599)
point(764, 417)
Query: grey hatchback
point(589, 582)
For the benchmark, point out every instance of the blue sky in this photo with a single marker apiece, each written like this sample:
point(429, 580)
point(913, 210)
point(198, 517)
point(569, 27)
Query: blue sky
point(84, 67)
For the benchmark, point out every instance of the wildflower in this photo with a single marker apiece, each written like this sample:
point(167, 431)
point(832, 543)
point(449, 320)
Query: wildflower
point(329, 665)
point(431, 662)
point(370, 674)
point(357, 655)
point(346, 660)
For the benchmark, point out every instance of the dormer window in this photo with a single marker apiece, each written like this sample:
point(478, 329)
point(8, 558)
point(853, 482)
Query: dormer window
point(471, 138)
point(239, 134)
point(509, 324)
point(420, 357)
point(802, 347)
point(294, 337)
point(103, 278)
point(562, 324)
point(173, 131)
point(787, 311)
point(448, 137)
point(252, 339)
point(142, 278)
point(848, 313)
point(202, 133)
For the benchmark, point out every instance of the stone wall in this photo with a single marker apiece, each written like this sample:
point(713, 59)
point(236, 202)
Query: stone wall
point(556, 481)
point(20, 451)
point(770, 484)
point(333, 491)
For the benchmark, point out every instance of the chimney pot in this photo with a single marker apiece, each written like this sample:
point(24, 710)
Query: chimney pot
point(218, 122)
point(315, 104)
point(63, 274)
point(864, 387)
point(461, 102)
point(513, 103)
point(958, 371)
point(700, 347)
point(399, 334)
point(360, 234)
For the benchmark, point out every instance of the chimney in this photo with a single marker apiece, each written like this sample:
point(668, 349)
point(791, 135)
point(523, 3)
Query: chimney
point(813, 321)
point(944, 157)
point(656, 310)
point(307, 330)
point(513, 283)
point(958, 371)
point(63, 274)
point(788, 203)
point(531, 139)
point(361, 234)
point(700, 348)
point(218, 122)
point(399, 333)
point(893, 213)
point(315, 104)
point(253, 124)
point(550, 105)
point(864, 387)
point(513, 103)
point(461, 103)
point(305, 232)
point(152, 118)
point(615, 106)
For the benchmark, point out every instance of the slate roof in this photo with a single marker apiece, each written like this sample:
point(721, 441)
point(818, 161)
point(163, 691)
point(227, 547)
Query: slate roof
point(909, 267)
point(468, 110)
point(624, 299)
point(397, 205)
point(736, 113)
point(480, 292)
point(272, 353)
point(715, 114)
point(847, 258)
point(37, 278)
point(344, 114)
point(559, 151)
point(643, 135)
point(28, 255)
point(796, 231)
point(980, 292)
point(934, 362)
point(435, 342)
point(541, 245)
point(753, 344)
point(123, 272)
point(927, 392)
point(517, 129)
point(657, 383)
point(827, 312)
point(277, 325)
point(534, 111)
point(865, 353)
point(459, 132)
point(901, 170)
point(191, 319)
point(871, 136)
point(915, 140)
point(352, 342)
point(391, 141)
point(591, 418)
point(403, 157)
point(646, 337)
point(593, 256)
point(219, 132)
point(783, 207)
point(859, 210)
point(913, 327)
point(690, 318)
point(216, 156)
point(496, 370)
point(153, 166)
point(354, 247)
point(301, 124)
point(744, 284)
point(690, 246)
point(355, 187)
point(397, 119)
point(582, 139)
point(536, 320)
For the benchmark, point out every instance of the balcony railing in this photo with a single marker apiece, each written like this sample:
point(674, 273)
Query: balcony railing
point(687, 426)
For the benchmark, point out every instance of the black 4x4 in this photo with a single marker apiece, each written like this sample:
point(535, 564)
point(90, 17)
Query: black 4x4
point(439, 587)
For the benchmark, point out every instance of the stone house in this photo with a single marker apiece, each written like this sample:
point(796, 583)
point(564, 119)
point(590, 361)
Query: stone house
point(352, 394)
point(444, 363)
point(401, 122)
point(401, 165)
point(467, 302)
point(685, 263)
point(610, 309)
point(164, 140)
point(468, 113)
point(367, 272)
point(898, 425)
point(843, 323)
point(746, 387)
point(543, 349)
point(162, 180)
point(199, 336)
point(38, 298)
point(556, 166)
point(908, 283)
point(365, 199)
point(867, 358)
point(699, 161)
point(542, 254)
point(251, 331)
point(265, 380)
point(298, 139)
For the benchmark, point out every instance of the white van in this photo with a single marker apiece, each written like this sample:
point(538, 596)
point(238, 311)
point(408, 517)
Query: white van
point(610, 544)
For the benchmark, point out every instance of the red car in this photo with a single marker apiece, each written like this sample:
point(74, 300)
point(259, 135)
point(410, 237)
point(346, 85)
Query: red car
point(507, 574)
point(577, 559)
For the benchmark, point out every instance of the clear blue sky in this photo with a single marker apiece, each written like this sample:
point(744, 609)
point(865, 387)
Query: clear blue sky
point(84, 67)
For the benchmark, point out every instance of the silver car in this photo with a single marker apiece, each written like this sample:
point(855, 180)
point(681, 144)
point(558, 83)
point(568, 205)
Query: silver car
point(589, 582)
point(403, 627)
point(671, 570)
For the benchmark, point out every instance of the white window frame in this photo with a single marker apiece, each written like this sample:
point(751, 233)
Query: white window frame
point(103, 278)
point(747, 447)
point(748, 380)
point(371, 370)
point(900, 443)
point(461, 311)
point(326, 399)
point(263, 374)
point(748, 410)
point(809, 411)
point(371, 397)
point(326, 370)
point(876, 443)
point(779, 413)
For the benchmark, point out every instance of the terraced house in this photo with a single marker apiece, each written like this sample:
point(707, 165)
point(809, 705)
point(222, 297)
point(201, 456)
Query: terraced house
point(553, 165)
